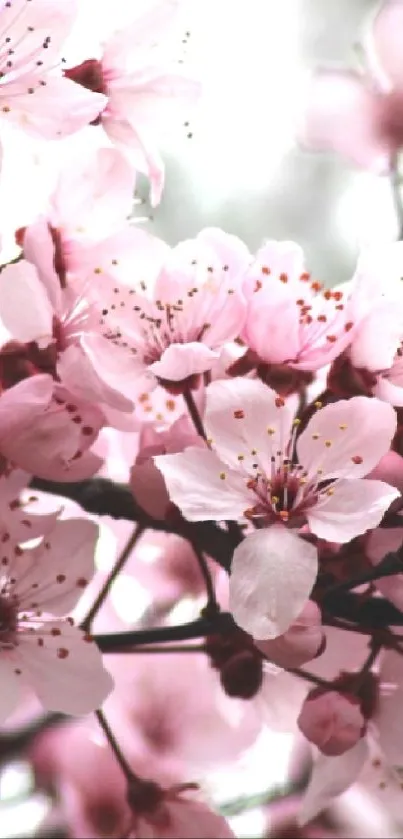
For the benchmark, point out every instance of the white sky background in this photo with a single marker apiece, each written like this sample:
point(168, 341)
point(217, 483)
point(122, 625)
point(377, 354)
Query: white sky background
point(241, 169)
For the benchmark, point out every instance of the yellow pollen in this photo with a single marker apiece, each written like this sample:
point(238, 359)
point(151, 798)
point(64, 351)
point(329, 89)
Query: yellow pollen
point(254, 452)
point(223, 476)
point(275, 499)
point(241, 457)
point(284, 515)
point(328, 443)
point(330, 491)
point(302, 481)
point(296, 422)
point(319, 471)
point(343, 426)
point(315, 436)
point(271, 430)
point(97, 270)
point(318, 404)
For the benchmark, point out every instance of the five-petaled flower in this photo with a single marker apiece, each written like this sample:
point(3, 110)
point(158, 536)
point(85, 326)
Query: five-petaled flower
point(38, 648)
point(256, 470)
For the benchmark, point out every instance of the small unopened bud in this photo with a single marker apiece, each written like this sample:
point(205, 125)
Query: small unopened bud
point(331, 720)
point(303, 641)
point(242, 675)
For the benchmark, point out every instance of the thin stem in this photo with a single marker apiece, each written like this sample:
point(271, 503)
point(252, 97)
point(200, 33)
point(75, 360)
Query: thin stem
point(102, 595)
point(212, 606)
point(194, 413)
point(118, 641)
point(126, 769)
point(309, 677)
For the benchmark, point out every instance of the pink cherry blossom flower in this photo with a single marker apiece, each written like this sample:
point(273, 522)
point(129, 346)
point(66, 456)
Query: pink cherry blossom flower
point(332, 720)
point(172, 323)
point(37, 648)
point(251, 471)
point(143, 87)
point(84, 228)
point(291, 319)
point(34, 95)
point(333, 775)
point(360, 113)
point(47, 434)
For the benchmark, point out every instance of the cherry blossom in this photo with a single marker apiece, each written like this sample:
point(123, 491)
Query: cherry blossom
point(292, 319)
point(143, 85)
point(303, 641)
point(171, 321)
point(359, 113)
point(83, 230)
point(251, 472)
point(37, 648)
point(332, 775)
point(34, 94)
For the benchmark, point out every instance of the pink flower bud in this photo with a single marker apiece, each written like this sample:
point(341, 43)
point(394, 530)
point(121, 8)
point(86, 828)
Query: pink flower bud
point(302, 642)
point(331, 720)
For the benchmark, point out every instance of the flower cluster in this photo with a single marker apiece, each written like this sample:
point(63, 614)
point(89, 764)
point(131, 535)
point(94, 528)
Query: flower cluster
point(246, 417)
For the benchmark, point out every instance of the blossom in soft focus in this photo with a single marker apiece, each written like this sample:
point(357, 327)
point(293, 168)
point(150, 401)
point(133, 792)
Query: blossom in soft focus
point(34, 94)
point(38, 649)
point(292, 319)
point(84, 228)
point(170, 320)
point(251, 472)
point(143, 85)
point(359, 113)
point(171, 814)
point(333, 775)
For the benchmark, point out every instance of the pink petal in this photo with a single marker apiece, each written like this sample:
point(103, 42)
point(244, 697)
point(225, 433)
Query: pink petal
point(66, 673)
point(179, 361)
point(10, 688)
point(138, 146)
point(353, 450)
point(239, 413)
point(343, 114)
point(390, 470)
point(25, 309)
point(388, 717)
point(389, 391)
point(354, 507)
point(385, 45)
point(300, 643)
point(21, 404)
point(85, 379)
point(195, 485)
point(28, 24)
point(54, 110)
point(39, 249)
point(272, 575)
point(364, 352)
point(272, 328)
point(55, 574)
point(150, 23)
point(330, 777)
point(94, 193)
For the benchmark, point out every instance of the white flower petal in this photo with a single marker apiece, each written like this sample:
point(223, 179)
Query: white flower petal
point(66, 671)
point(272, 575)
point(203, 488)
point(353, 508)
point(330, 777)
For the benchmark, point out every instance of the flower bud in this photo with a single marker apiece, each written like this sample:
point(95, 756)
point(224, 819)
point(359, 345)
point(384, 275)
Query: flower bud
point(303, 641)
point(332, 721)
